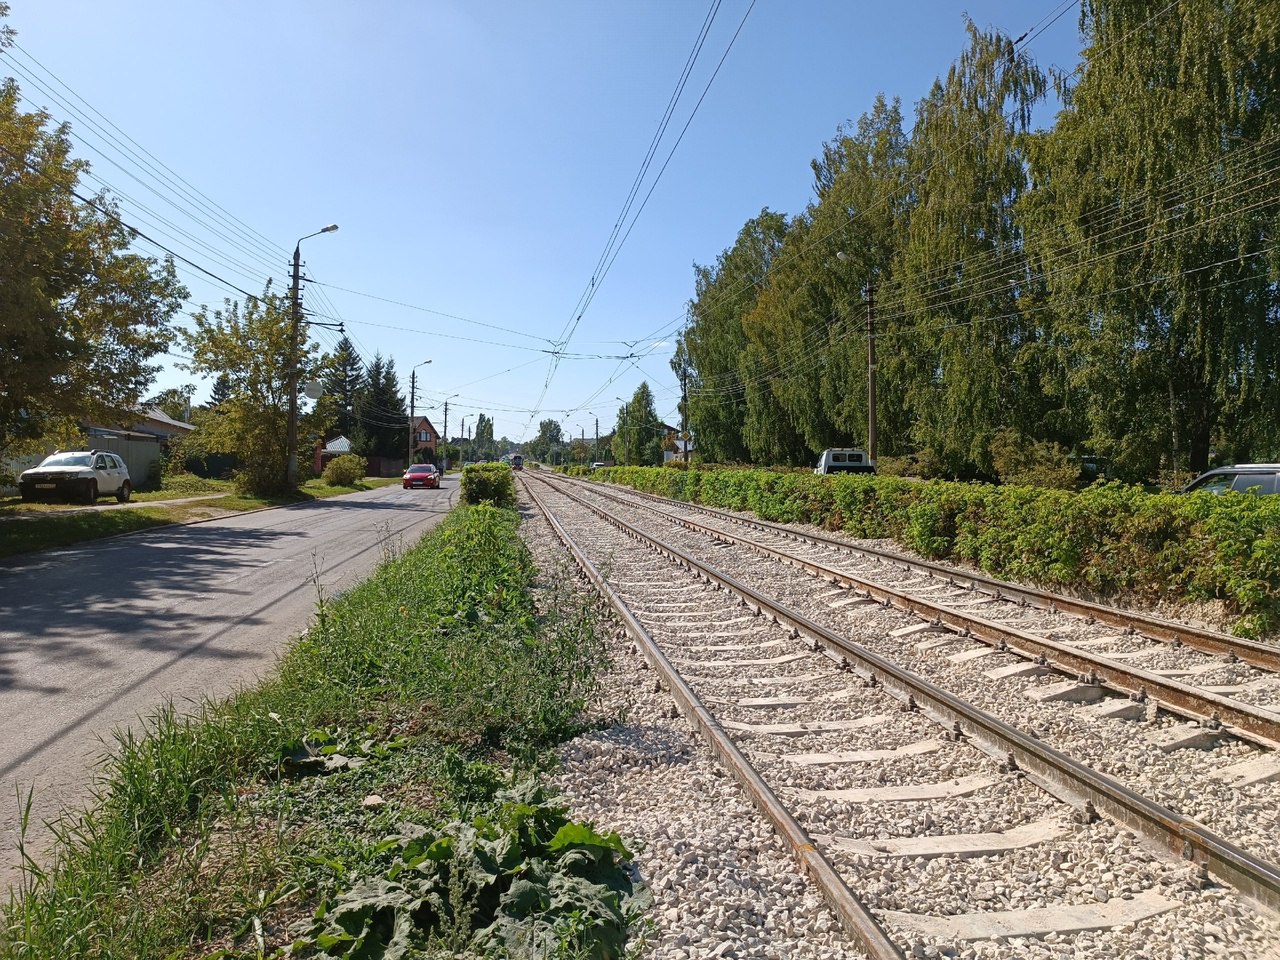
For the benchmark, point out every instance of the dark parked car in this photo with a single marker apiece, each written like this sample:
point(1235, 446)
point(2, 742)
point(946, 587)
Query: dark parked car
point(1261, 478)
point(422, 475)
point(77, 475)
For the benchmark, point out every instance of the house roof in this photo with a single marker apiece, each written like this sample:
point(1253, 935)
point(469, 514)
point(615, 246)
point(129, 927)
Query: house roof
point(155, 413)
point(416, 423)
point(338, 445)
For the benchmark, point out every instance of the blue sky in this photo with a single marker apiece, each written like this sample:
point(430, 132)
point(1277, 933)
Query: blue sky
point(477, 157)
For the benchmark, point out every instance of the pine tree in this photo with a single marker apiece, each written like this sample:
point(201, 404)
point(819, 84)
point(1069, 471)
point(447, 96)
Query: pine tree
point(343, 380)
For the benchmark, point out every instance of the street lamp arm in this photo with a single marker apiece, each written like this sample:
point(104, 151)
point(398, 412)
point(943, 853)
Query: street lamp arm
point(329, 229)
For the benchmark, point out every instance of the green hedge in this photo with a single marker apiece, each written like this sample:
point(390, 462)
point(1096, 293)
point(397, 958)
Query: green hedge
point(345, 471)
point(493, 483)
point(1110, 539)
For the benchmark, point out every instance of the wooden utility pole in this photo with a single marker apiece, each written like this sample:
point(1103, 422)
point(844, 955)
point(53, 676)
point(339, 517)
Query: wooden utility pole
point(871, 371)
point(684, 411)
point(444, 463)
point(413, 395)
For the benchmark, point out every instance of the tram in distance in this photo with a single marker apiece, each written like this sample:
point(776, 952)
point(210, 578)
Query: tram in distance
point(517, 461)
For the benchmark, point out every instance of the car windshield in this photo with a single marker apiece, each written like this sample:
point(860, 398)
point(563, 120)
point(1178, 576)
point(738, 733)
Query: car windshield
point(67, 460)
point(422, 468)
point(1214, 483)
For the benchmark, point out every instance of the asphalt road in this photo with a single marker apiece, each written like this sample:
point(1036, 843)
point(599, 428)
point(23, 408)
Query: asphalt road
point(95, 636)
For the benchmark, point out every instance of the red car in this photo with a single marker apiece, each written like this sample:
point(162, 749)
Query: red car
point(422, 475)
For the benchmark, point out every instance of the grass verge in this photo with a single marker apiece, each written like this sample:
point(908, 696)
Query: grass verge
point(371, 797)
point(39, 526)
point(50, 530)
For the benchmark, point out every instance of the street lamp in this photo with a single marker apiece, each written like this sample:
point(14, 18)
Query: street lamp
point(626, 421)
point(871, 361)
point(295, 325)
point(413, 395)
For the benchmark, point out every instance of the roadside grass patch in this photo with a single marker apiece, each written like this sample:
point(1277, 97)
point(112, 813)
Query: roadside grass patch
point(25, 527)
point(42, 531)
point(377, 783)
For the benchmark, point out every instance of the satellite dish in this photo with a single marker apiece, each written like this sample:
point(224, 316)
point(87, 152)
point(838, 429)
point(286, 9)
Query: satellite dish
point(314, 390)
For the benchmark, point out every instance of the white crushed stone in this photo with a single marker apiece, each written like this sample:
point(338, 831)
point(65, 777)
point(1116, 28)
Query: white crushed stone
point(722, 881)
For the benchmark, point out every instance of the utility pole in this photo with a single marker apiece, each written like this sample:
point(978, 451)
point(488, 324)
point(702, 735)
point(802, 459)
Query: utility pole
point(871, 370)
point(413, 395)
point(684, 411)
point(295, 322)
point(595, 449)
point(295, 325)
point(444, 465)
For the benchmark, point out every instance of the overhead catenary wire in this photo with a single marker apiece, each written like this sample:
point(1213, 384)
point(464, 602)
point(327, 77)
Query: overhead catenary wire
point(910, 183)
point(611, 250)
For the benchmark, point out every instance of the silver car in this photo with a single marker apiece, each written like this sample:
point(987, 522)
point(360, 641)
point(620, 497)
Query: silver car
point(77, 475)
point(1263, 478)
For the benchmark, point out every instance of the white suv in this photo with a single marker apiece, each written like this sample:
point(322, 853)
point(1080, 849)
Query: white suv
point(77, 475)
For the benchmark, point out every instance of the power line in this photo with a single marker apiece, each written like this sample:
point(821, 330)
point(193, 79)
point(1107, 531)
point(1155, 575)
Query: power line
point(611, 251)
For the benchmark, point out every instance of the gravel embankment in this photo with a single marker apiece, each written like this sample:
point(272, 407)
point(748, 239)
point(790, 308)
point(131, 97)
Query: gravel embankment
point(723, 883)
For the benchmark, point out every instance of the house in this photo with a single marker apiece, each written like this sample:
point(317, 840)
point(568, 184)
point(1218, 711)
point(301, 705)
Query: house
point(681, 448)
point(673, 446)
point(328, 450)
point(159, 424)
point(426, 440)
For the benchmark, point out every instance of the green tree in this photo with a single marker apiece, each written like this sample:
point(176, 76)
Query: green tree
point(486, 447)
point(381, 418)
point(344, 377)
point(221, 391)
point(174, 402)
point(864, 208)
point(963, 259)
point(250, 344)
point(1153, 223)
point(80, 317)
point(640, 436)
point(712, 349)
point(549, 437)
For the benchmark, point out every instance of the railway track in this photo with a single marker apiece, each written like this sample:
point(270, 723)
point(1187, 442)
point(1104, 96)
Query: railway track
point(1061, 632)
point(871, 771)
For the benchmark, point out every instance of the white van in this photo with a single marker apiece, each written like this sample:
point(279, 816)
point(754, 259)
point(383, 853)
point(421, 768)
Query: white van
point(844, 460)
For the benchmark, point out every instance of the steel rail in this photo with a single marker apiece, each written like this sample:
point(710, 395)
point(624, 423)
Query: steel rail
point(1060, 775)
point(1264, 656)
point(1244, 720)
point(853, 914)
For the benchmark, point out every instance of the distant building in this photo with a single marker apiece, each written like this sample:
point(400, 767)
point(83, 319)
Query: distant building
point(426, 441)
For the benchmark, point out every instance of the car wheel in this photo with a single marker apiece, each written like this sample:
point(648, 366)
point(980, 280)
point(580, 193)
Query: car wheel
point(122, 495)
point(91, 492)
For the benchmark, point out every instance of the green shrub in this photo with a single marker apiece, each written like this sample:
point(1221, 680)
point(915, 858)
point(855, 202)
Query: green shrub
point(523, 881)
point(493, 483)
point(187, 483)
point(345, 471)
point(1111, 538)
point(1021, 460)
